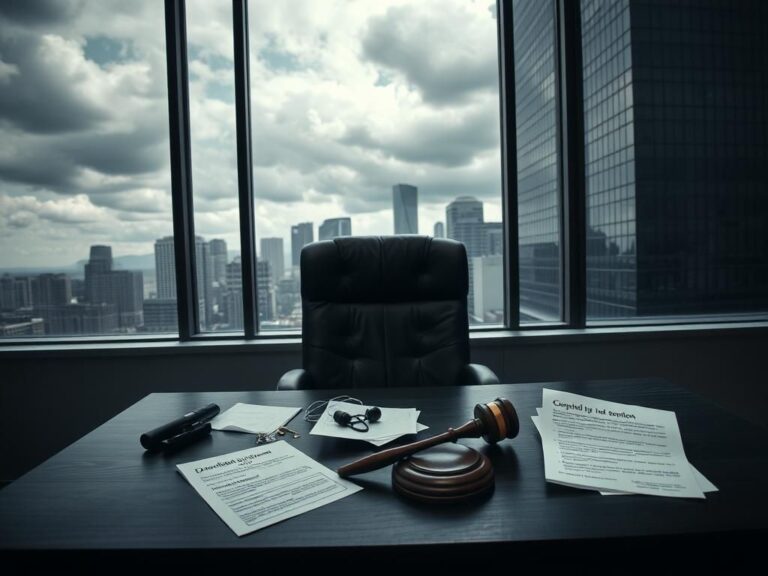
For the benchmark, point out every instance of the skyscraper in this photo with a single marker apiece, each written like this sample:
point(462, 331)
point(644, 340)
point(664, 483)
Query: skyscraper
point(335, 228)
point(405, 201)
point(97, 271)
point(266, 290)
point(233, 300)
point(165, 272)
point(123, 289)
point(675, 157)
point(272, 252)
point(439, 230)
point(165, 268)
point(51, 290)
point(301, 235)
point(219, 259)
point(464, 220)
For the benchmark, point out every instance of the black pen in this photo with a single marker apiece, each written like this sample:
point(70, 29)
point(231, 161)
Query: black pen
point(190, 423)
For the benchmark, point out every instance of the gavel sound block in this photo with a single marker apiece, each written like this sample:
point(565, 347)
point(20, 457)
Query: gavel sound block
point(445, 473)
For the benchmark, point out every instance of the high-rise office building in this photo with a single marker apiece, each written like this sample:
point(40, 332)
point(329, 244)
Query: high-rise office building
point(405, 203)
point(675, 149)
point(492, 238)
point(15, 292)
point(301, 235)
point(165, 274)
point(97, 271)
point(272, 252)
point(51, 290)
point(334, 228)
point(439, 230)
point(233, 299)
point(123, 289)
point(266, 290)
point(464, 222)
point(219, 259)
point(165, 268)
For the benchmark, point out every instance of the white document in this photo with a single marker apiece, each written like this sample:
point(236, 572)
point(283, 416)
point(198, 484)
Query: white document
point(253, 418)
point(701, 480)
point(394, 422)
point(257, 487)
point(591, 443)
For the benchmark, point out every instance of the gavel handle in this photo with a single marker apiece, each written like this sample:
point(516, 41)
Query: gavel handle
point(387, 457)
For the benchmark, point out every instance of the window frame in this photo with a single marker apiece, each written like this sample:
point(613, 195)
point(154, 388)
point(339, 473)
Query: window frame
point(571, 148)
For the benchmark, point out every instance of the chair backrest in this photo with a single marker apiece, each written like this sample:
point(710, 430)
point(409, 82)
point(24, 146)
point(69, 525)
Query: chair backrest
point(385, 311)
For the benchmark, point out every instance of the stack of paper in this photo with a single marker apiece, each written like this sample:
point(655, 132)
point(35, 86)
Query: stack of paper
point(614, 448)
point(394, 423)
point(253, 418)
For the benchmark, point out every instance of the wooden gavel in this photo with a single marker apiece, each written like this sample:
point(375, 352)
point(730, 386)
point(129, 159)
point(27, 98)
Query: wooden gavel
point(493, 421)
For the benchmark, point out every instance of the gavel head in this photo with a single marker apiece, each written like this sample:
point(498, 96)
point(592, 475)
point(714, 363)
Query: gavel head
point(498, 420)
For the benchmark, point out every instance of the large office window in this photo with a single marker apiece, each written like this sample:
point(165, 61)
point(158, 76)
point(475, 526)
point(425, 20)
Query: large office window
point(218, 276)
point(84, 179)
point(374, 118)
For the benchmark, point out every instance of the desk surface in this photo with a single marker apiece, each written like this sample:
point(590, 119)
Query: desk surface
point(104, 493)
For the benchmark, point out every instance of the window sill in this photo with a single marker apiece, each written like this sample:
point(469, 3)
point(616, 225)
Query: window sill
point(292, 344)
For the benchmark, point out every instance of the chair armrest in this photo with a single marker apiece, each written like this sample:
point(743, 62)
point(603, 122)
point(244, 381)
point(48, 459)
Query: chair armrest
point(298, 379)
point(479, 374)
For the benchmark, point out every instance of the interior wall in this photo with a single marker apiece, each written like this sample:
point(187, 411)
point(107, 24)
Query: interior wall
point(49, 401)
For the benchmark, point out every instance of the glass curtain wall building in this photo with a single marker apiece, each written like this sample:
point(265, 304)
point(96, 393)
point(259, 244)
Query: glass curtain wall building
point(676, 157)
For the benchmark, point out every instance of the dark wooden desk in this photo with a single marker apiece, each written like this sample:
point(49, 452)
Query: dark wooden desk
point(104, 496)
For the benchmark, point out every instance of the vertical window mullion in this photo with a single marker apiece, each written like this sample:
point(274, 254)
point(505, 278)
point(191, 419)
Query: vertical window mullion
point(508, 163)
point(181, 168)
point(244, 168)
point(571, 141)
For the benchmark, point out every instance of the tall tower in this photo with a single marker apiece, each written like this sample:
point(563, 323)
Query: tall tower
point(97, 272)
point(439, 230)
point(405, 203)
point(272, 252)
point(301, 235)
point(334, 228)
point(218, 251)
point(464, 220)
point(165, 268)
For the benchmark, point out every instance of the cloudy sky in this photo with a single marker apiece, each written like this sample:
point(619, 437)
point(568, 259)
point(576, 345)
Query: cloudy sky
point(348, 98)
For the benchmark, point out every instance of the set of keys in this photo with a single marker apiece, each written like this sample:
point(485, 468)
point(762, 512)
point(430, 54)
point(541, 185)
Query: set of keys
point(266, 438)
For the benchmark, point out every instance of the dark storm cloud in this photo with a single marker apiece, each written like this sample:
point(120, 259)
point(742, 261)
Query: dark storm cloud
point(40, 96)
point(397, 40)
point(136, 152)
point(55, 162)
point(441, 141)
point(35, 163)
point(36, 12)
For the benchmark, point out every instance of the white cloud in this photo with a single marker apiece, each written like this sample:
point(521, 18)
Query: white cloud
point(337, 120)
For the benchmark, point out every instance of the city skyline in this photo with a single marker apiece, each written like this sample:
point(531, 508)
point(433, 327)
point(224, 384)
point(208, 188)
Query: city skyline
point(110, 301)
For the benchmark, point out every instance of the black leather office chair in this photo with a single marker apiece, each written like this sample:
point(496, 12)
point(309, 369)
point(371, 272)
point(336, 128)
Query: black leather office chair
point(385, 311)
